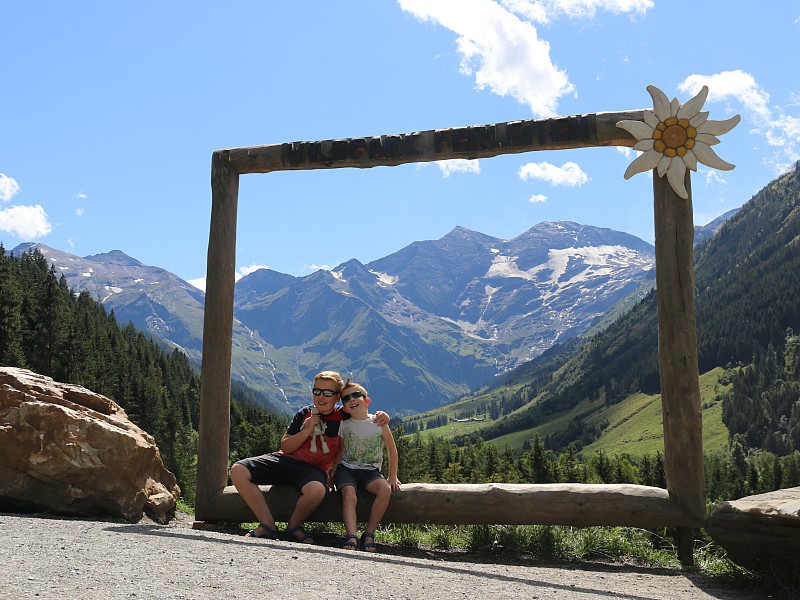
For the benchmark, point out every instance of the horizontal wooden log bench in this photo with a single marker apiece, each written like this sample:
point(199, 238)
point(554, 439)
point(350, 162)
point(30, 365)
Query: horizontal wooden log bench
point(572, 504)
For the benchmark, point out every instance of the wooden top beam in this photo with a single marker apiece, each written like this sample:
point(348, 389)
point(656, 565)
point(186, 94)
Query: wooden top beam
point(476, 141)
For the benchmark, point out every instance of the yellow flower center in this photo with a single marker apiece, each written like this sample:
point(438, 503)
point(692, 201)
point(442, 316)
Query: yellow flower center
point(674, 137)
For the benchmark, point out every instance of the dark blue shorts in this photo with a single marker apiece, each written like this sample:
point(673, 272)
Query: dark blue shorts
point(279, 469)
point(360, 478)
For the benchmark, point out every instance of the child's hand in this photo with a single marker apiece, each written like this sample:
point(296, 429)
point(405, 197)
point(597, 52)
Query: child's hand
point(381, 418)
point(394, 483)
point(312, 421)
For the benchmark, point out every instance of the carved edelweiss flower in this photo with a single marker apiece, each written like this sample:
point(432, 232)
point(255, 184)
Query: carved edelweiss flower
point(674, 137)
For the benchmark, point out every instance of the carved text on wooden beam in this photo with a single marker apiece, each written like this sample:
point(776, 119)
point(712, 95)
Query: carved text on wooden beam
point(477, 141)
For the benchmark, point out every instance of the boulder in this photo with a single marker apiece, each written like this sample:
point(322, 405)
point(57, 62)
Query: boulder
point(68, 450)
point(759, 532)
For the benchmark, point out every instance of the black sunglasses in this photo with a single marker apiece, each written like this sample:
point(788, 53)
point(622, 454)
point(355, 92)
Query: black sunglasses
point(326, 393)
point(355, 395)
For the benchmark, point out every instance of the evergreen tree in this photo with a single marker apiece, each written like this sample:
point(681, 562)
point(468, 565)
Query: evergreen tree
point(11, 321)
point(45, 327)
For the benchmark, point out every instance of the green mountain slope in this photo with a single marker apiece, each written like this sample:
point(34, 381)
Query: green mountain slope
point(748, 281)
point(633, 426)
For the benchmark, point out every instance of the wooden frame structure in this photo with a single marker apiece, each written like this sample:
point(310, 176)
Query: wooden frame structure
point(681, 505)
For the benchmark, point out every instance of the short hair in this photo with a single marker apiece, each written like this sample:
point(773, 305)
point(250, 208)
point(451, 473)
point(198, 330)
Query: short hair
point(331, 376)
point(349, 383)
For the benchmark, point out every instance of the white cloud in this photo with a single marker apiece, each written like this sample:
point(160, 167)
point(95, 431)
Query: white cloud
point(71, 243)
point(458, 165)
point(781, 132)
point(242, 271)
point(199, 283)
point(731, 84)
point(543, 11)
point(79, 212)
point(500, 46)
point(569, 174)
point(25, 222)
point(537, 198)
point(502, 51)
point(81, 196)
point(711, 176)
point(8, 187)
point(315, 268)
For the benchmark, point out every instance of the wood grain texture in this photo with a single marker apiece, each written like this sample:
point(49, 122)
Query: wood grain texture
point(215, 373)
point(575, 504)
point(677, 346)
point(476, 141)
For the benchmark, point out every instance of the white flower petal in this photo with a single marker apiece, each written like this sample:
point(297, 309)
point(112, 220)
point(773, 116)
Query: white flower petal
point(651, 119)
point(673, 107)
point(638, 129)
point(698, 119)
point(707, 138)
point(709, 158)
point(691, 160)
point(660, 102)
point(675, 175)
point(644, 145)
point(719, 127)
point(693, 106)
point(645, 162)
point(663, 165)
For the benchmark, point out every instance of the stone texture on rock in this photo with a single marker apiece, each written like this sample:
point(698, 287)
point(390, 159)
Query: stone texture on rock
point(759, 531)
point(68, 450)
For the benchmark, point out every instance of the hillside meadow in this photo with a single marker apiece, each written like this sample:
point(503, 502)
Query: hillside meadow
point(633, 426)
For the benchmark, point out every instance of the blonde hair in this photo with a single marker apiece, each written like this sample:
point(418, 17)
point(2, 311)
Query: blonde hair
point(331, 376)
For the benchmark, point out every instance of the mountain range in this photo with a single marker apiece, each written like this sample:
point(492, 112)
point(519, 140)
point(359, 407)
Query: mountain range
point(602, 390)
point(420, 327)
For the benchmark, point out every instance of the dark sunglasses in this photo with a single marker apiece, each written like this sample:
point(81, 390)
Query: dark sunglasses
point(326, 393)
point(355, 395)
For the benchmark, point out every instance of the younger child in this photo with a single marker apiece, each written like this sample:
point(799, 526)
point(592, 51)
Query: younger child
point(360, 465)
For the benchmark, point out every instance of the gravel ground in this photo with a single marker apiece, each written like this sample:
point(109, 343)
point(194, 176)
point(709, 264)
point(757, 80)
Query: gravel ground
point(43, 557)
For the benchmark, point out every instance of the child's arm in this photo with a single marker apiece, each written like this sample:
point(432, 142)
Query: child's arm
point(391, 449)
point(381, 418)
point(291, 442)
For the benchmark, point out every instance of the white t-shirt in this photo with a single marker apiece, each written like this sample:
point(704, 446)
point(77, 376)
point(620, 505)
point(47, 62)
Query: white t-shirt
point(363, 443)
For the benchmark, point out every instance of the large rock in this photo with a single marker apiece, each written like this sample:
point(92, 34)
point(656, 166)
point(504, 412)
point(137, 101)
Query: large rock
point(760, 531)
point(68, 450)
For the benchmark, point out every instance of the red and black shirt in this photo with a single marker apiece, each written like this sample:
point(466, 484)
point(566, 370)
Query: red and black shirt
point(330, 431)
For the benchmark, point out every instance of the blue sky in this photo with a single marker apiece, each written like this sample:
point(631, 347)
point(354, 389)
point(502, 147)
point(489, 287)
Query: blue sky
point(111, 110)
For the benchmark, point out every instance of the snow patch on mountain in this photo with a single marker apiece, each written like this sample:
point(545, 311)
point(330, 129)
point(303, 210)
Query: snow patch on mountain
point(474, 330)
point(599, 261)
point(384, 278)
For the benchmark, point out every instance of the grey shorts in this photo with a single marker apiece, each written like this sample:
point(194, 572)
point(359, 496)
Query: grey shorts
point(359, 478)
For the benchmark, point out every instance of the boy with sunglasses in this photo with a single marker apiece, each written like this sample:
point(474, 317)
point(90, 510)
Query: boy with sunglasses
point(299, 462)
point(359, 467)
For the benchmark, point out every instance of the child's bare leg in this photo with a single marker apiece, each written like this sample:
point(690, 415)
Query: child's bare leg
point(311, 496)
point(383, 492)
point(349, 516)
point(349, 499)
point(252, 496)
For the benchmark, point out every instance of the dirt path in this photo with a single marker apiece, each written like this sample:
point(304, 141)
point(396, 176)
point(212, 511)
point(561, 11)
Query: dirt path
point(45, 558)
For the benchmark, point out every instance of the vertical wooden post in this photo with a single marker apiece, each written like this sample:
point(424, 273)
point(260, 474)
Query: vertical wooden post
point(677, 352)
point(215, 373)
